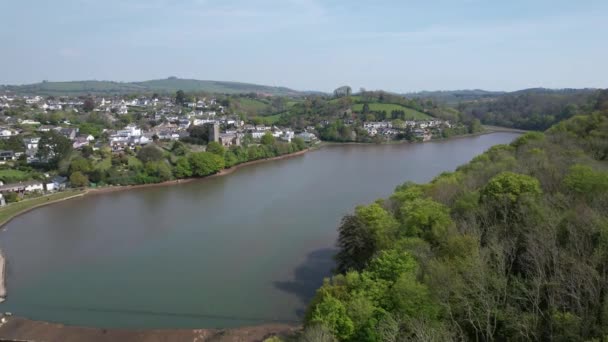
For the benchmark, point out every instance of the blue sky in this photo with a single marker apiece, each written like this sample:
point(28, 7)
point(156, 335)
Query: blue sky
point(310, 44)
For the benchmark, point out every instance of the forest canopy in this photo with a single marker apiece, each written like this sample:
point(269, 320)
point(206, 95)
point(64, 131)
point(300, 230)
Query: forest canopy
point(511, 246)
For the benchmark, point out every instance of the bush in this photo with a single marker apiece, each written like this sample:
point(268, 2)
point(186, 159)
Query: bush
point(150, 153)
point(11, 197)
point(79, 180)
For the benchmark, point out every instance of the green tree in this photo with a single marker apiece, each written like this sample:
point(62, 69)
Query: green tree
point(150, 153)
point(159, 170)
point(425, 218)
point(215, 148)
point(182, 168)
point(14, 143)
point(331, 312)
point(179, 148)
point(79, 180)
point(267, 139)
point(80, 164)
point(87, 151)
point(53, 147)
point(510, 186)
point(180, 97)
point(205, 163)
point(356, 244)
point(299, 143)
point(582, 179)
point(11, 197)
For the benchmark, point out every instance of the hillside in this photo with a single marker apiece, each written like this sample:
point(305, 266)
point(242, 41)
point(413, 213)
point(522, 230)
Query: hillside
point(168, 85)
point(512, 246)
point(453, 97)
point(410, 113)
point(531, 109)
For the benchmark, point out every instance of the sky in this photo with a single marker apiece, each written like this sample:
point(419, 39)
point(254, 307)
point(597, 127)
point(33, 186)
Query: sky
point(394, 45)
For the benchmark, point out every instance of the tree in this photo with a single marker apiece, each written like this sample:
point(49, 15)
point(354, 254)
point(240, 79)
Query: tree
point(182, 168)
point(356, 245)
point(11, 197)
point(150, 153)
point(80, 164)
point(199, 134)
point(53, 147)
point(87, 151)
point(299, 143)
point(582, 179)
point(330, 312)
point(179, 148)
point(425, 218)
point(510, 186)
point(267, 139)
point(79, 180)
point(180, 97)
point(159, 170)
point(88, 105)
point(475, 126)
point(342, 91)
point(365, 109)
point(14, 143)
point(205, 163)
point(215, 148)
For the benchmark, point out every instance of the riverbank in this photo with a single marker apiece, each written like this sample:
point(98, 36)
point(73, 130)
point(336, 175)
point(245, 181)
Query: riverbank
point(22, 329)
point(487, 130)
point(223, 172)
point(13, 210)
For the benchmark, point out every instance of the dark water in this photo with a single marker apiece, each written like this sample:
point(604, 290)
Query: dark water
point(244, 249)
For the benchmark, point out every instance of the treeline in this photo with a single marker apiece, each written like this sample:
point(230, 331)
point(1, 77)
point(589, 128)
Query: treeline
point(511, 246)
point(534, 109)
point(155, 164)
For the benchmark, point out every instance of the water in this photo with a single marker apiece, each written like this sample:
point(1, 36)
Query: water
point(244, 249)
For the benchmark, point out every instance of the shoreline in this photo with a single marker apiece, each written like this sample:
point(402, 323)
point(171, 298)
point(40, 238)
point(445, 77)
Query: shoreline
point(488, 130)
point(77, 193)
point(223, 172)
point(20, 329)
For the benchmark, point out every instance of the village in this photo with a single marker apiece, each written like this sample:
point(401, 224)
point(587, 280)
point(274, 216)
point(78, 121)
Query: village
point(128, 123)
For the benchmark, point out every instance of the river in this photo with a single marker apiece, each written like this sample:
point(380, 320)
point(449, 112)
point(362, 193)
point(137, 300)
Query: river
point(244, 249)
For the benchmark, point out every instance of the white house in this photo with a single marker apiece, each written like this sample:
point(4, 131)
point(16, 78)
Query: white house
point(307, 137)
point(5, 133)
point(288, 136)
point(31, 143)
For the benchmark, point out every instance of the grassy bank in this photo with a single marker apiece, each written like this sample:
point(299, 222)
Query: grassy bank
point(13, 210)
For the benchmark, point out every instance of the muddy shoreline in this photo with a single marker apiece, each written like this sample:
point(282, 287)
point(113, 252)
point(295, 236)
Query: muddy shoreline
point(23, 329)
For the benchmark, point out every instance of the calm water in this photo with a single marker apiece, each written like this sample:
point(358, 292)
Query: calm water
point(244, 249)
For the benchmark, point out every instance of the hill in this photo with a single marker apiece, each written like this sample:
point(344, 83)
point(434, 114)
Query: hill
point(453, 97)
point(410, 113)
point(531, 109)
point(168, 85)
point(512, 246)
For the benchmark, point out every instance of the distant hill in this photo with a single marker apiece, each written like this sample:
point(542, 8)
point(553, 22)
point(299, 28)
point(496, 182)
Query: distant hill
point(168, 85)
point(531, 109)
point(452, 97)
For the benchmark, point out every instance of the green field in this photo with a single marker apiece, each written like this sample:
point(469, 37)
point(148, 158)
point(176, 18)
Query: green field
point(410, 114)
point(271, 119)
point(14, 209)
point(12, 176)
point(252, 105)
